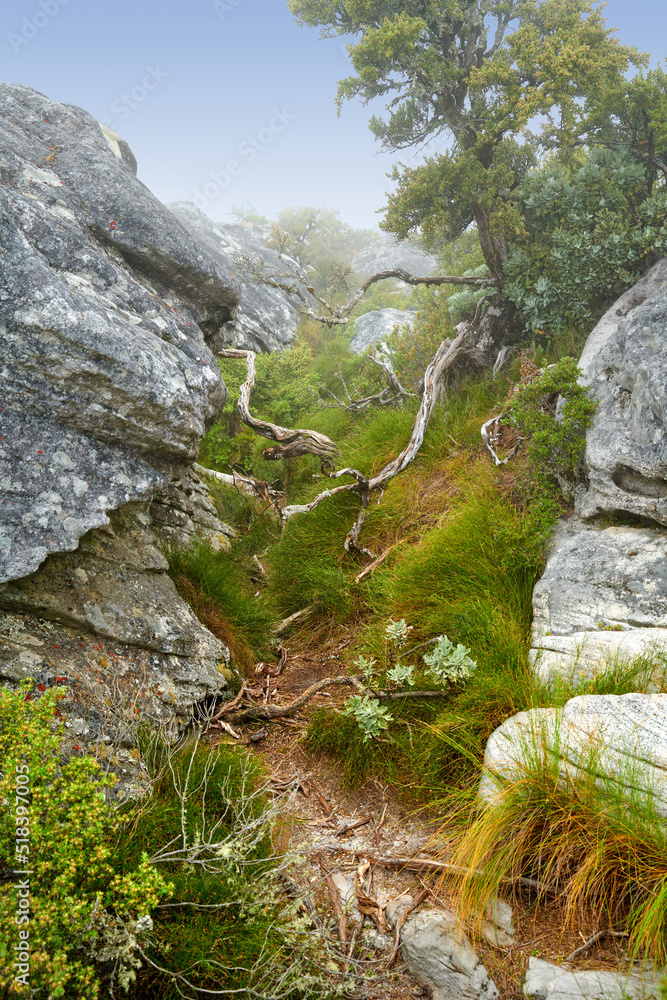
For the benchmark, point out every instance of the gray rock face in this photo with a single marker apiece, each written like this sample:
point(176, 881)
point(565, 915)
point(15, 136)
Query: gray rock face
point(387, 253)
point(623, 736)
point(108, 619)
point(545, 981)
point(439, 955)
point(184, 511)
point(105, 307)
point(603, 597)
point(267, 318)
point(373, 328)
point(625, 364)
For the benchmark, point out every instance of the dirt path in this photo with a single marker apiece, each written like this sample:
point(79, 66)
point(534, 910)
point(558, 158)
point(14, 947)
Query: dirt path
point(334, 827)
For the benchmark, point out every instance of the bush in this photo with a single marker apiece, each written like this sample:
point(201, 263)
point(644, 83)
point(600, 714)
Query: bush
point(590, 227)
point(83, 912)
point(596, 843)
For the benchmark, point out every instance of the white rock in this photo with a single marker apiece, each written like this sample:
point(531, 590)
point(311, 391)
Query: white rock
point(550, 982)
point(627, 734)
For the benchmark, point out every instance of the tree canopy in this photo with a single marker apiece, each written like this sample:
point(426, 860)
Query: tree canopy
point(504, 80)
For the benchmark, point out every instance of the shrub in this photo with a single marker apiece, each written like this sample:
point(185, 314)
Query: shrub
point(83, 912)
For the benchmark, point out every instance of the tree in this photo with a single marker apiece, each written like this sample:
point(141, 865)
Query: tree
point(504, 80)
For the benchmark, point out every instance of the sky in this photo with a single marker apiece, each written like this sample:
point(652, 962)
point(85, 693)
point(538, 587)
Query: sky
point(226, 102)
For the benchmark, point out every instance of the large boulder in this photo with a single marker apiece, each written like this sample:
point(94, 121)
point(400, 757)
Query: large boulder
point(622, 737)
point(625, 364)
point(267, 318)
point(105, 310)
point(545, 981)
point(602, 600)
point(373, 328)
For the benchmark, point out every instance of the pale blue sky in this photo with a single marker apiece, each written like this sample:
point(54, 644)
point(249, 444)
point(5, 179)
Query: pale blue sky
point(195, 90)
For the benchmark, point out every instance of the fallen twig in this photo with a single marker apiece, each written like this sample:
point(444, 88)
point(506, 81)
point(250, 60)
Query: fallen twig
point(291, 619)
point(336, 903)
point(366, 904)
point(594, 940)
point(377, 562)
point(352, 826)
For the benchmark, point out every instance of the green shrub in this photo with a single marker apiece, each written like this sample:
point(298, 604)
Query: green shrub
point(553, 412)
point(83, 911)
point(591, 226)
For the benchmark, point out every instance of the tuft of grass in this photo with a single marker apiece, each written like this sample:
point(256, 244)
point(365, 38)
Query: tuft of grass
point(221, 595)
point(595, 842)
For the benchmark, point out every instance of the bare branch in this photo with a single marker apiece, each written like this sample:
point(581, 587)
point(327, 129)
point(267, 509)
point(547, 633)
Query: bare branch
point(291, 443)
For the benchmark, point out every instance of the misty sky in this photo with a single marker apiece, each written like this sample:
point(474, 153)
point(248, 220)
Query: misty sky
point(226, 102)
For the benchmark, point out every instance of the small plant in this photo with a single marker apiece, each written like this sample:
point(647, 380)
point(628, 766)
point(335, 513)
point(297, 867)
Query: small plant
point(366, 667)
point(83, 912)
point(369, 715)
point(401, 675)
point(449, 663)
point(397, 632)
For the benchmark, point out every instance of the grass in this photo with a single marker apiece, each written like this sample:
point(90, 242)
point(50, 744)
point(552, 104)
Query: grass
point(224, 925)
point(220, 592)
point(596, 843)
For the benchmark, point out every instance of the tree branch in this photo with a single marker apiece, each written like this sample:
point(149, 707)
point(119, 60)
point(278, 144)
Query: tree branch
point(290, 443)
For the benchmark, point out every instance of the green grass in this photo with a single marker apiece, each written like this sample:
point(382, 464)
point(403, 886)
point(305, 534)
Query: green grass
point(224, 925)
point(596, 843)
point(219, 589)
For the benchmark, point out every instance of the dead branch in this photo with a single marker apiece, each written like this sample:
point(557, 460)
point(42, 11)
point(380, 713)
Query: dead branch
point(418, 899)
point(365, 903)
point(377, 562)
point(229, 706)
point(266, 711)
point(291, 619)
point(246, 484)
point(336, 903)
point(489, 438)
point(351, 826)
point(445, 357)
point(292, 279)
point(594, 940)
point(290, 443)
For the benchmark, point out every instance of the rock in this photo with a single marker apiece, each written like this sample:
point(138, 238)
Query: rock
point(498, 927)
point(373, 328)
point(545, 981)
point(602, 598)
point(387, 253)
point(107, 618)
point(105, 309)
point(623, 737)
point(625, 364)
point(267, 318)
point(439, 955)
point(184, 510)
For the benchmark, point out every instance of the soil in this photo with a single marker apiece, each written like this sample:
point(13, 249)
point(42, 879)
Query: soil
point(320, 821)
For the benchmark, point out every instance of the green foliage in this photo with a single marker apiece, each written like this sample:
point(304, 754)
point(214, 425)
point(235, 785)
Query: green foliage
point(82, 910)
point(449, 663)
point(232, 612)
point(589, 225)
point(371, 718)
point(553, 412)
